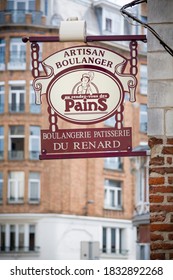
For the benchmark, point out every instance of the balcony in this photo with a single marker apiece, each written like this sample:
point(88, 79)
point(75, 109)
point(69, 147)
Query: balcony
point(21, 17)
point(16, 155)
point(16, 108)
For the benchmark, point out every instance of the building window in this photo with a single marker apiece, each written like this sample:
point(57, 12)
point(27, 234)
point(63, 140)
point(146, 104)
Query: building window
point(31, 237)
point(1, 142)
point(17, 238)
point(2, 94)
point(108, 24)
point(35, 109)
point(17, 55)
point(21, 5)
point(2, 237)
point(34, 187)
point(17, 99)
point(16, 142)
point(1, 187)
point(2, 54)
point(46, 7)
point(16, 187)
point(142, 187)
point(143, 118)
point(113, 163)
point(34, 142)
point(112, 196)
point(143, 252)
point(143, 79)
point(112, 240)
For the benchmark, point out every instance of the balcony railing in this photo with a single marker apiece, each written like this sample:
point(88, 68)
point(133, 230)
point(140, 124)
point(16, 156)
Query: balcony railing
point(114, 251)
point(16, 108)
point(11, 249)
point(16, 155)
point(21, 17)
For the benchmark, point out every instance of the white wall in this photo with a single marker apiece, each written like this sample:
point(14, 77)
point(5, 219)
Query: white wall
point(60, 236)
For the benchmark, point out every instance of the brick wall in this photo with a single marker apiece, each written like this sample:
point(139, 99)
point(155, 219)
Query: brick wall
point(161, 198)
point(160, 130)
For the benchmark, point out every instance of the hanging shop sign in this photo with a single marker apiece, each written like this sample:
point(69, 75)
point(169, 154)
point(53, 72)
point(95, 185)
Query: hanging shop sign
point(85, 85)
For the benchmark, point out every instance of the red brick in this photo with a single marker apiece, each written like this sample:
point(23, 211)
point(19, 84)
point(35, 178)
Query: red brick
point(157, 256)
point(156, 180)
point(170, 141)
point(169, 160)
point(161, 227)
point(169, 170)
point(170, 236)
point(156, 237)
point(156, 198)
point(161, 246)
point(170, 198)
point(161, 189)
point(161, 170)
point(158, 170)
point(154, 141)
point(167, 246)
point(161, 208)
point(170, 180)
point(167, 150)
point(155, 246)
point(157, 218)
point(157, 161)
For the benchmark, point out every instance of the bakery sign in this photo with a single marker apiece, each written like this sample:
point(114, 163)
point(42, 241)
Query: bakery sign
point(85, 85)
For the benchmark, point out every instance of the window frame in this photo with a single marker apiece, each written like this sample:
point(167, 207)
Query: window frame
point(112, 194)
point(2, 54)
point(113, 163)
point(19, 153)
point(1, 186)
point(143, 116)
point(17, 59)
point(143, 83)
point(22, 240)
point(18, 184)
point(2, 97)
point(112, 240)
point(34, 154)
point(2, 142)
point(19, 92)
point(37, 181)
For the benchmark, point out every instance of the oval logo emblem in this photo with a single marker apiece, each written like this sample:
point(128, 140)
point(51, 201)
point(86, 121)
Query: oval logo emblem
point(85, 95)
